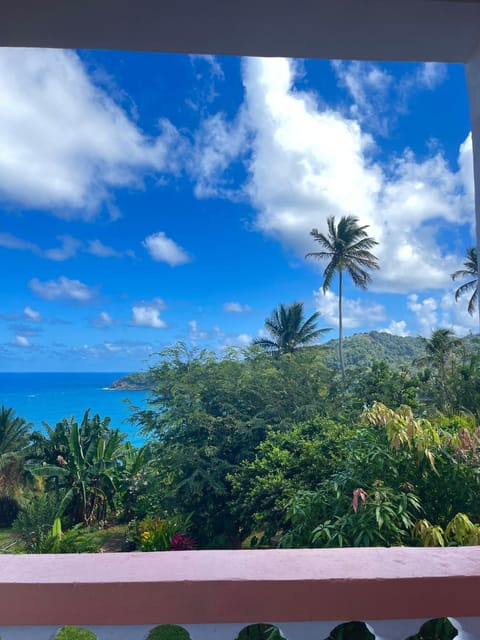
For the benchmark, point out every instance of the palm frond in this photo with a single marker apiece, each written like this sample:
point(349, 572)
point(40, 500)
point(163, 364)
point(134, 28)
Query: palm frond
point(289, 329)
point(471, 269)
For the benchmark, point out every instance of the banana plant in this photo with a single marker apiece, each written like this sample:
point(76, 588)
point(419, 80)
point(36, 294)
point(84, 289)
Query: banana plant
point(88, 468)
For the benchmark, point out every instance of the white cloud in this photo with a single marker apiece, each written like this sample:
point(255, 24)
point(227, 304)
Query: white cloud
point(217, 144)
point(21, 341)
point(309, 162)
point(426, 312)
point(378, 99)
point(465, 162)
point(212, 63)
point(108, 350)
point(397, 328)
point(235, 307)
point(9, 241)
point(64, 143)
point(195, 333)
point(429, 75)
point(111, 347)
point(68, 249)
point(208, 72)
point(434, 312)
point(97, 248)
point(62, 289)
point(31, 314)
point(147, 314)
point(455, 315)
point(103, 320)
point(368, 86)
point(355, 312)
point(163, 249)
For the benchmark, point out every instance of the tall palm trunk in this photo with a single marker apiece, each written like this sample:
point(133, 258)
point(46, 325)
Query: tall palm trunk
point(340, 324)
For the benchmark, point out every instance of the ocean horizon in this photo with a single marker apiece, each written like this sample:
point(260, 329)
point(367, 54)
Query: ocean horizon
point(51, 396)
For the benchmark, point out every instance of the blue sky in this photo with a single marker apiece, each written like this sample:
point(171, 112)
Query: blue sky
point(149, 198)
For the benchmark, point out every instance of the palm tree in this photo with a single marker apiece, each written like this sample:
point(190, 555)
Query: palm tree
point(289, 329)
point(442, 350)
point(14, 437)
point(471, 270)
point(439, 349)
point(347, 248)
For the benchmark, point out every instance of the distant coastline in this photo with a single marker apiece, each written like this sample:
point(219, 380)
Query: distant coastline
point(140, 381)
point(49, 397)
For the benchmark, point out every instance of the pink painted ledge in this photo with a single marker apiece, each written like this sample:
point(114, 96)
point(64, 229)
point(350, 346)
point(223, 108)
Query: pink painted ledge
point(204, 587)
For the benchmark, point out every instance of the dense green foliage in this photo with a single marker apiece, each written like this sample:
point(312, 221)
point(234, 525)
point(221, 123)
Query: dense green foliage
point(209, 414)
point(360, 350)
point(254, 448)
point(259, 448)
point(286, 462)
point(84, 460)
point(240, 439)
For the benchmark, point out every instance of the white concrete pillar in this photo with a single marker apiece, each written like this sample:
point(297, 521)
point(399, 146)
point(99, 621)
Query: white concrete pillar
point(468, 628)
point(306, 630)
point(226, 631)
point(33, 633)
point(473, 86)
point(133, 632)
point(394, 629)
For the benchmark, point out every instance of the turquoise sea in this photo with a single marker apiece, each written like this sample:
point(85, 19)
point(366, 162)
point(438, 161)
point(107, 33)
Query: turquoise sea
point(49, 397)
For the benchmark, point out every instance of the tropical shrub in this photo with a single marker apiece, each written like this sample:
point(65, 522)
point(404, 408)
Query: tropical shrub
point(208, 415)
point(71, 541)
point(439, 457)
point(139, 483)
point(286, 462)
point(34, 523)
point(163, 534)
point(380, 383)
point(86, 464)
point(335, 516)
point(460, 531)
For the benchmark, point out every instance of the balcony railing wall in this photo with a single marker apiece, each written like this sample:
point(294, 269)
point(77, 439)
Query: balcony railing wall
point(215, 594)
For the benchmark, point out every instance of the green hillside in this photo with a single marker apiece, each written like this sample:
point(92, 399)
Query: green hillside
point(140, 381)
point(362, 349)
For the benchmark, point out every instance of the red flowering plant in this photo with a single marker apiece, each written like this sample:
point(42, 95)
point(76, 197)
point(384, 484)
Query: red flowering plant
point(166, 533)
point(182, 542)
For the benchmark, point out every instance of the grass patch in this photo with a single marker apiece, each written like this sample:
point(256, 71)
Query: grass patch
point(109, 539)
point(7, 539)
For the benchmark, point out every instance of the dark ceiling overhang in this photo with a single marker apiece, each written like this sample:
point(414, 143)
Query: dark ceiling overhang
point(441, 30)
